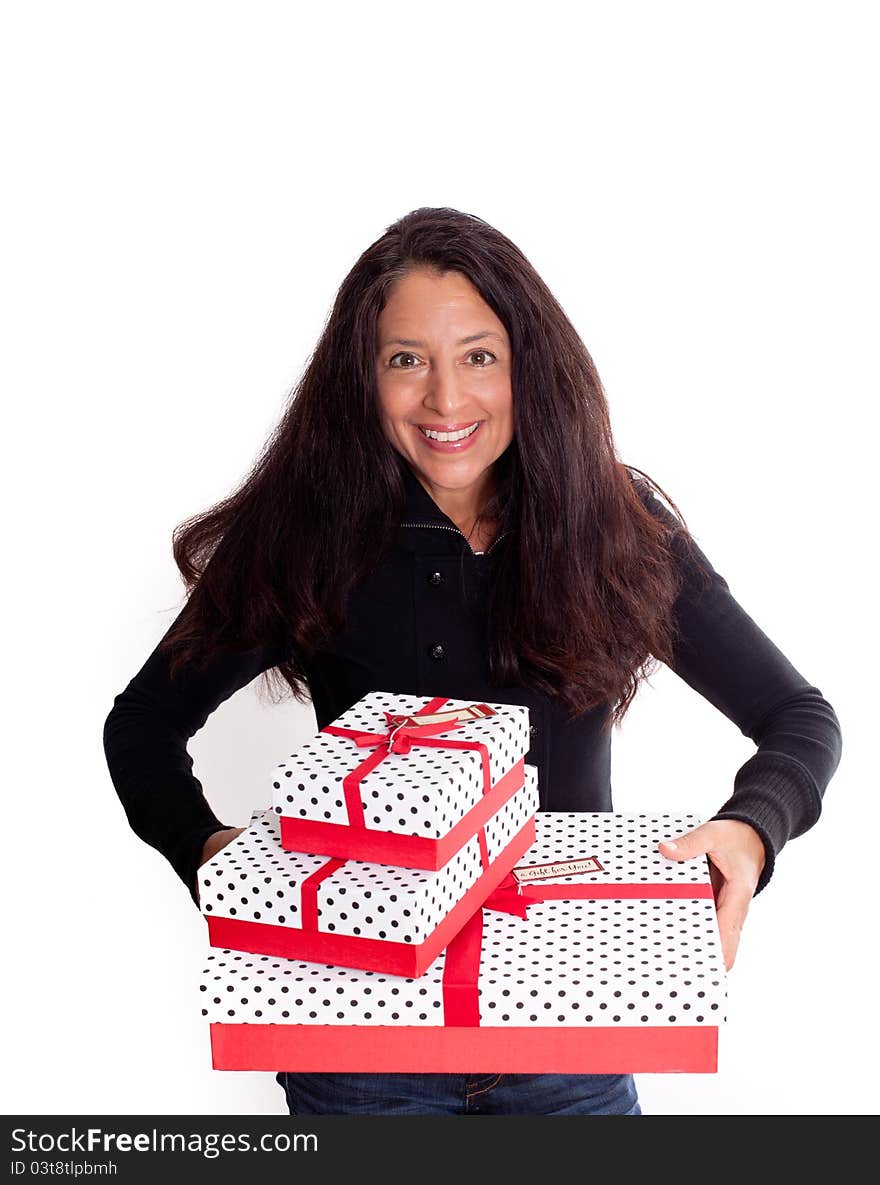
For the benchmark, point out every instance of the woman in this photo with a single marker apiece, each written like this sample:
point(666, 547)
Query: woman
point(441, 512)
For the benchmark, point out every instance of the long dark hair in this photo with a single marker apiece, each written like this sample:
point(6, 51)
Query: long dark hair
point(274, 562)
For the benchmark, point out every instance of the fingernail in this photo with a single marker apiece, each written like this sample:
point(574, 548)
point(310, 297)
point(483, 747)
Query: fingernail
point(670, 843)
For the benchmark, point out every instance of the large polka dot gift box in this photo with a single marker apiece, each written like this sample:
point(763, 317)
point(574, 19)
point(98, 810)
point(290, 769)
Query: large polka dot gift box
point(401, 779)
point(599, 956)
point(258, 897)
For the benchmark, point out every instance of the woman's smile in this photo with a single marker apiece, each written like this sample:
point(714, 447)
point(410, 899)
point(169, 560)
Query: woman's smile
point(449, 439)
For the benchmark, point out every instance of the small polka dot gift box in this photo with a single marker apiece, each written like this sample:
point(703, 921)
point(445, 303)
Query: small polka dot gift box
point(596, 956)
point(401, 779)
point(258, 897)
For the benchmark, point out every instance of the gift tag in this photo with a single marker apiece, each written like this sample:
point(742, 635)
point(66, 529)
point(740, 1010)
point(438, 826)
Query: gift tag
point(454, 716)
point(542, 872)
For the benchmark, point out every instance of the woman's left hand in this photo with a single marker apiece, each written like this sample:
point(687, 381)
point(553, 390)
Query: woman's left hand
point(736, 860)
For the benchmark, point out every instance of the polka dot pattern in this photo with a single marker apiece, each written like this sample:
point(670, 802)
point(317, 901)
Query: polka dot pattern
point(603, 962)
point(424, 792)
point(652, 963)
point(255, 879)
point(625, 846)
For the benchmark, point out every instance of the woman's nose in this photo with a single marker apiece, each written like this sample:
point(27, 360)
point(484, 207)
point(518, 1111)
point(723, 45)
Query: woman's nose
point(444, 394)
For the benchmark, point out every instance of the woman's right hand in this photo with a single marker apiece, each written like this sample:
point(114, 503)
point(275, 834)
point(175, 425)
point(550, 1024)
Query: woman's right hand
point(214, 843)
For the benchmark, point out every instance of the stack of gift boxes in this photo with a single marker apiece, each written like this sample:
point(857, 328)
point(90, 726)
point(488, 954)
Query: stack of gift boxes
point(404, 907)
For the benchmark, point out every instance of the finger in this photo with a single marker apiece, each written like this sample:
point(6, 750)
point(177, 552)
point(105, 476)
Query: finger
point(729, 934)
point(732, 907)
point(218, 840)
point(687, 846)
point(718, 880)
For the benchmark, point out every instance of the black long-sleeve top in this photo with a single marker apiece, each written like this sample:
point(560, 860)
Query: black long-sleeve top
point(414, 627)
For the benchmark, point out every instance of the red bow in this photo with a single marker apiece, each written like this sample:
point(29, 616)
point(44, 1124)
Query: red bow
point(409, 735)
point(399, 737)
point(510, 897)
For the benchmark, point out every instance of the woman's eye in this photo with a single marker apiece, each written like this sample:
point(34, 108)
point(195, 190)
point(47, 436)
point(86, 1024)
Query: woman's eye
point(402, 355)
point(482, 353)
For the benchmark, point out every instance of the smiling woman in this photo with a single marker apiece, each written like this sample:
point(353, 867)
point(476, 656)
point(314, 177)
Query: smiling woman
point(446, 403)
point(442, 512)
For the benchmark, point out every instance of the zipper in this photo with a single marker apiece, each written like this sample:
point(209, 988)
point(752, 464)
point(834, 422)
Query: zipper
point(446, 527)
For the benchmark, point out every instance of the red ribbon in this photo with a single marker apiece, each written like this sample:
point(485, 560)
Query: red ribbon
point(385, 743)
point(510, 897)
point(351, 785)
point(461, 1002)
point(309, 892)
point(398, 739)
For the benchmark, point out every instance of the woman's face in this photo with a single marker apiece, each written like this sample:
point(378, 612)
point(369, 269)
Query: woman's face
point(443, 363)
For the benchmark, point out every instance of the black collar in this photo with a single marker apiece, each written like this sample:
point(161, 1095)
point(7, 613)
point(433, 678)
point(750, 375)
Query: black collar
point(421, 511)
point(420, 506)
point(424, 528)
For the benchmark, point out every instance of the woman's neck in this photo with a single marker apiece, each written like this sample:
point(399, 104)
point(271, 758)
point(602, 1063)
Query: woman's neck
point(462, 506)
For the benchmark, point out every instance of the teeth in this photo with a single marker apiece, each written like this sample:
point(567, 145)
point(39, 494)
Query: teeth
point(450, 435)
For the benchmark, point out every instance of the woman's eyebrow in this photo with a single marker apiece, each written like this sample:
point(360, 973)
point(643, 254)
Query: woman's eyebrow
point(407, 341)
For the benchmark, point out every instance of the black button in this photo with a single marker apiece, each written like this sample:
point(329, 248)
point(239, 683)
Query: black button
point(437, 651)
point(533, 728)
point(435, 578)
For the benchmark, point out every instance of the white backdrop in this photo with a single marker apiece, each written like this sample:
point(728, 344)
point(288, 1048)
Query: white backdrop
point(187, 185)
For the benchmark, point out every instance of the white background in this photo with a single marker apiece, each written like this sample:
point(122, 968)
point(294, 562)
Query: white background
point(186, 186)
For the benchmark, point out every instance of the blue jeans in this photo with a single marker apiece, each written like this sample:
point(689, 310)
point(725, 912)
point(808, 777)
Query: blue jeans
point(459, 1094)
